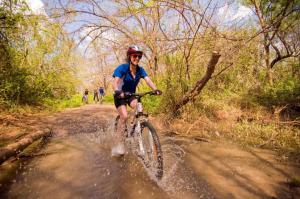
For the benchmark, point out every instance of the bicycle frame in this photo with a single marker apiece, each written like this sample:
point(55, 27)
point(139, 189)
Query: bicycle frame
point(139, 115)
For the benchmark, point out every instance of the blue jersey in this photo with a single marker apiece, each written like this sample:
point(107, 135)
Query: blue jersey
point(101, 91)
point(129, 83)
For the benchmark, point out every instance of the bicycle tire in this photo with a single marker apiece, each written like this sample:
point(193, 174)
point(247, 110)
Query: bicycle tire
point(156, 161)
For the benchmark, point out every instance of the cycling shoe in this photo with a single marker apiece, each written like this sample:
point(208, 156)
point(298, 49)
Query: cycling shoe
point(118, 150)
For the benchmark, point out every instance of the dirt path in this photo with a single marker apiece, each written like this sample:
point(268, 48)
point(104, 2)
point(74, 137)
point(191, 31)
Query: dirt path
point(76, 163)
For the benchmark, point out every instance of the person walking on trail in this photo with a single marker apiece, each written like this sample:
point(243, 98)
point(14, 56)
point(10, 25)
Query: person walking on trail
point(102, 93)
point(85, 96)
point(96, 96)
point(126, 78)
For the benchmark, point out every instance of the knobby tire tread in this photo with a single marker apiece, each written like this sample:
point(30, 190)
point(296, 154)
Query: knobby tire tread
point(159, 172)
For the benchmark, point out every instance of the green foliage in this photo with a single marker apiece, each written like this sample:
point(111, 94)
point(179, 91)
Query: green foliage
point(38, 60)
point(108, 98)
point(242, 85)
point(173, 82)
point(282, 92)
point(272, 10)
point(151, 104)
point(237, 79)
point(74, 101)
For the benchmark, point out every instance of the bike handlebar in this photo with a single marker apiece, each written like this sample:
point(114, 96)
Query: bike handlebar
point(139, 95)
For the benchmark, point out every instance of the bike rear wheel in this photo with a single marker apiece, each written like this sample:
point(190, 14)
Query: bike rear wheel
point(150, 151)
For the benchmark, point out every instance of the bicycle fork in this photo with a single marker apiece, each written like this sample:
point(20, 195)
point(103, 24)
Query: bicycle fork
point(138, 129)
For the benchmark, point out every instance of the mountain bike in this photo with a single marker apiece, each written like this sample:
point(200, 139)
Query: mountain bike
point(144, 137)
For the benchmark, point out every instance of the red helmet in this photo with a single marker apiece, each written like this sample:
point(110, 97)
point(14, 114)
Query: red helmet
point(134, 50)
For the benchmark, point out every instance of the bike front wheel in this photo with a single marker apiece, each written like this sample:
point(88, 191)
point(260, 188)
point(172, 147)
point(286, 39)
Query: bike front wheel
point(150, 149)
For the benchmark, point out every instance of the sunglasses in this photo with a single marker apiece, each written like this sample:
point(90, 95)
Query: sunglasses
point(137, 56)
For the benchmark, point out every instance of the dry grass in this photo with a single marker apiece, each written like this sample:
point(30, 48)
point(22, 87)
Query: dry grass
point(255, 128)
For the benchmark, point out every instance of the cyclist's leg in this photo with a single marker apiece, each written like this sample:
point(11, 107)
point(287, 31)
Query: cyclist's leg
point(122, 111)
point(119, 148)
point(133, 103)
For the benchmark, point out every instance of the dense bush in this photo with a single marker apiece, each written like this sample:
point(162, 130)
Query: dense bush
point(37, 60)
point(282, 92)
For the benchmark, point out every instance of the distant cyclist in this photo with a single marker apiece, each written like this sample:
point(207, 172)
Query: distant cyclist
point(101, 93)
point(126, 78)
point(85, 96)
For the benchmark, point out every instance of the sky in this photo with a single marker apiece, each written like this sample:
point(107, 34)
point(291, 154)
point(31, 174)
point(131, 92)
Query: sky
point(232, 13)
point(240, 12)
point(37, 6)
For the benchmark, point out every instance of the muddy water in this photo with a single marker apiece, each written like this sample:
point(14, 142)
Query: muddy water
point(79, 165)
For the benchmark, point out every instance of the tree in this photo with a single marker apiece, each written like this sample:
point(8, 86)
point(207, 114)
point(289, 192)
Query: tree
point(37, 59)
point(11, 76)
point(279, 23)
point(189, 96)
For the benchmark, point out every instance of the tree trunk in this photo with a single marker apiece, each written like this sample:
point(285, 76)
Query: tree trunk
point(10, 5)
point(199, 85)
point(155, 63)
point(269, 75)
point(262, 22)
point(15, 148)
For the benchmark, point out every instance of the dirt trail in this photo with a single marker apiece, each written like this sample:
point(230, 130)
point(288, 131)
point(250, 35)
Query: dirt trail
point(76, 163)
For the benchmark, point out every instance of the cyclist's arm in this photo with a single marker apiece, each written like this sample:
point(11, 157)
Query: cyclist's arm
point(150, 83)
point(116, 82)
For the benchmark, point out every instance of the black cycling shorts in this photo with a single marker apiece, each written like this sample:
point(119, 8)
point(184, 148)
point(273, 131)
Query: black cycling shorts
point(121, 101)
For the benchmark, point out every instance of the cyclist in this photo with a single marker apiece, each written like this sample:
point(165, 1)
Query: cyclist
point(126, 78)
point(85, 96)
point(102, 93)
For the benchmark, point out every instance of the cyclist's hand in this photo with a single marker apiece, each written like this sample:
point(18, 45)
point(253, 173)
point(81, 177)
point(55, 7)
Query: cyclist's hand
point(158, 92)
point(119, 94)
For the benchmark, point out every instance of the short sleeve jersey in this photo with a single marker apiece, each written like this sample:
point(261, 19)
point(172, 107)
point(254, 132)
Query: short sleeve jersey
point(129, 82)
point(101, 90)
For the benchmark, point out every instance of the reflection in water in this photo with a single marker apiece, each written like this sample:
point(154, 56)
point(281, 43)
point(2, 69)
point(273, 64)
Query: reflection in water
point(80, 166)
